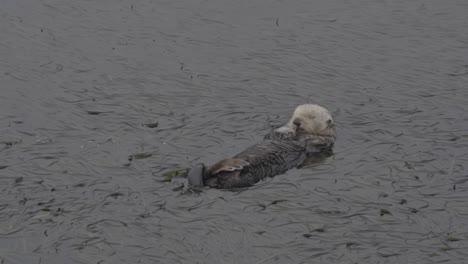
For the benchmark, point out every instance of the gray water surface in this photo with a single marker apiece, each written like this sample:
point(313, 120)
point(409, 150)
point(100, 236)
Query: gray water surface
point(79, 79)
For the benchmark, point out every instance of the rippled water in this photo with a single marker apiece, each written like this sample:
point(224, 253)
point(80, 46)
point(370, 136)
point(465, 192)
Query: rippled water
point(80, 79)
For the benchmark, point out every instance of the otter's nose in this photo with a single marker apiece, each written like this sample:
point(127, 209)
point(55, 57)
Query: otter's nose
point(297, 123)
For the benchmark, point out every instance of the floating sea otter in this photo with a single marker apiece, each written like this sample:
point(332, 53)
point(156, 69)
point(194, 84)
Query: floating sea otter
point(310, 131)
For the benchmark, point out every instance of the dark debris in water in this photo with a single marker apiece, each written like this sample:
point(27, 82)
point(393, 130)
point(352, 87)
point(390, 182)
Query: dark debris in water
point(383, 195)
point(446, 248)
point(53, 212)
point(23, 201)
point(453, 239)
point(115, 195)
point(151, 125)
point(278, 201)
point(408, 166)
point(9, 144)
point(171, 174)
point(318, 230)
point(274, 202)
point(384, 212)
point(58, 212)
point(95, 112)
point(329, 212)
point(3, 167)
point(139, 156)
point(351, 244)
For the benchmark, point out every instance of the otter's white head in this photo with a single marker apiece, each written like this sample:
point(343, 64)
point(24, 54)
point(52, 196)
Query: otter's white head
point(312, 119)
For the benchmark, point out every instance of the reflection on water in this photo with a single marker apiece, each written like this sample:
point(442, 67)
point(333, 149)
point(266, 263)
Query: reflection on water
point(315, 159)
point(87, 84)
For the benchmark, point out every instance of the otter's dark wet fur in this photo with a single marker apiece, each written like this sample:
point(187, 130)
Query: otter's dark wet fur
point(310, 131)
point(267, 159)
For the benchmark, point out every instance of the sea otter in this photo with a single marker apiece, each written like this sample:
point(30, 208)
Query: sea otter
point(310, 130)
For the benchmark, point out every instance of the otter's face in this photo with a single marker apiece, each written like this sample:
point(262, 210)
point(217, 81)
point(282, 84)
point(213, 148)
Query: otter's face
point(312, 119)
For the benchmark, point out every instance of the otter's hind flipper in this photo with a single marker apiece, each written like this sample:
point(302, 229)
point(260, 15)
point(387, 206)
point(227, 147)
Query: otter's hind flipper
point(227, 165)
point(195, 175)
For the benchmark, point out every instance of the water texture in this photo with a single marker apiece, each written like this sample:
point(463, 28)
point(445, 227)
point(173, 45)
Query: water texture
point(99, 98)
